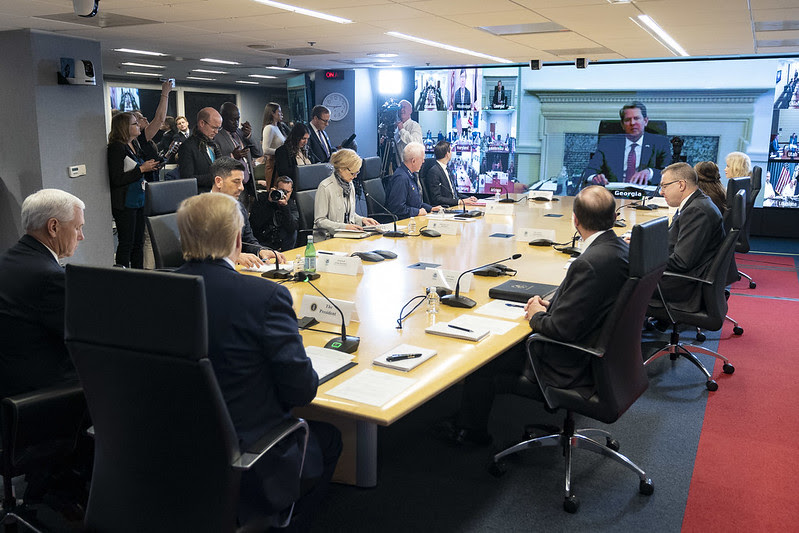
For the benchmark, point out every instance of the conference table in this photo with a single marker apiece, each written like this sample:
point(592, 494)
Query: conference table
point(384, 287)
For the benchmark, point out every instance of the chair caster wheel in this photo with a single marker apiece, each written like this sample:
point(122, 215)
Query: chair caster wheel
point(646, 487)
point(728, 368)
point(701, 337)
point(496, 469)
point(571, 504)
point(712, 385)
point(613, 444)
point(737, 330)
point(752, 285)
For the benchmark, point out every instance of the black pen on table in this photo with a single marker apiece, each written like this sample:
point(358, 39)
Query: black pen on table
point(515, 305)
point(459, 328)
point(402, 356)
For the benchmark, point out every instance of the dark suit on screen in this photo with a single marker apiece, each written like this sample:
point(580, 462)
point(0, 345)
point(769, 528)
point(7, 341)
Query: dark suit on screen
point(32, 350)
point(609, 158)
point(463, 99)
point(263, 372)
point(315, 148)
point(440, 187)
point(695, 235)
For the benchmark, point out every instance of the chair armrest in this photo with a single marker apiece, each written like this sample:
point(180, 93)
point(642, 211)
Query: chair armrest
point(247, 459)
point(537, 337)
point(686, 276)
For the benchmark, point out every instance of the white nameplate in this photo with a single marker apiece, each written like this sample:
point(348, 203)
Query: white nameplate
point(320, 309)
point(528, 234)
point(539, 194)
point(335, 264)
point(440, 277)
point(445, 227)
point(499, 209)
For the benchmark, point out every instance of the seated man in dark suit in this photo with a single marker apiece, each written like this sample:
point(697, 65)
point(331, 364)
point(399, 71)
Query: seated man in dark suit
point(695, 235)
point(259, 361)
point(634, 157)
point(32, 351)
point(404, 191)
point(575, 314)
point(198, 151)
point(440, 184)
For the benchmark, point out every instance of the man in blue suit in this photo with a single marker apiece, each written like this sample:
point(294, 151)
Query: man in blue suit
point(259, 361)
point(404, 190)
point(635, 157)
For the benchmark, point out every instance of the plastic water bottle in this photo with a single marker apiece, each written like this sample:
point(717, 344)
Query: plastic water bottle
point(497, 195)
point(412, 226)
point(433, 301)
point(310, 256)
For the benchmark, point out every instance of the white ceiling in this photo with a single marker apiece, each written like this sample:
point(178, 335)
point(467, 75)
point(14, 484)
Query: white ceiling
point(187, 30)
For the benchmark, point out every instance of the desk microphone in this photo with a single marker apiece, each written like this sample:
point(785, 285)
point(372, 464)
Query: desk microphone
point(571, 250)
point(456, 300)
point(643, 206)
point(393, 233)
point(277, 273)
point(507, 199)
point(474, 213)
point(345, 343)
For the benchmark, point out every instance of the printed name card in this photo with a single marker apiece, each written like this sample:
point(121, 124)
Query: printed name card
point(539, 195)
point(334, 264)
point(320, 309)
point(528, 234)
point(440, 277)
point(445, 227)
point(494, 208)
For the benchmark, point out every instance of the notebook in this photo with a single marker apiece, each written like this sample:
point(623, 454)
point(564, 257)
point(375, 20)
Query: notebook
point(329, 363)
point(521, 291)
point(404, 364)
point(446, 330)
point(351, 234)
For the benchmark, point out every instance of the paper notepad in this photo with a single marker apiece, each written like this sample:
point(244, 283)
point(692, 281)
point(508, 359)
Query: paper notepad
point(444, 329)
point(502, 309)
point(404, 364)
point(474, 322)
point(288, 265)
point(329, 363)
point(372, 387)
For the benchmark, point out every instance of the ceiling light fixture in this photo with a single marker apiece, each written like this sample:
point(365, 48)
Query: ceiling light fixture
point(247, 82)
point(646, 23)
point(263, 76)
point(145, 65)
point(289, 69)
point(447, 47)
point(200, 78)
point(219, 61)
point(154, 74)
point(382, 54)
point(140, 52)
point(303, 11)
point(206, 71)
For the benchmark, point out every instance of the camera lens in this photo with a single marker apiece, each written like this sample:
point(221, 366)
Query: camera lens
point(276, 195)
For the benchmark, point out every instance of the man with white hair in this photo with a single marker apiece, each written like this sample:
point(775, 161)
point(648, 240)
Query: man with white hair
point(404, 191)
point(408, 130)
point(32, 350)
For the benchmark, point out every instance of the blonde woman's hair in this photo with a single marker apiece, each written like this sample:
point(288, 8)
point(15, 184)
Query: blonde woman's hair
point(739, 164)
point(346, 158)
point(208, 225)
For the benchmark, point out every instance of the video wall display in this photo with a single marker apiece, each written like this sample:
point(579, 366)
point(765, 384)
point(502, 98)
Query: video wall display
point(779, 185)
point(474, 109)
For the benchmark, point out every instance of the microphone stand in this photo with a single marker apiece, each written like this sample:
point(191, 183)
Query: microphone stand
point(277, 273)
point(507, 199)
point(395, 232)
point(345, 343)
point(571, 250)
point(456, 300)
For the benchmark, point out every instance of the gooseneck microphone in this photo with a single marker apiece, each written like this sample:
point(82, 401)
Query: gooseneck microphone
point(571, 250)
point(507, 199)
point(277, 273)
point(345, 343)
point(393, 233)
point(456, 300)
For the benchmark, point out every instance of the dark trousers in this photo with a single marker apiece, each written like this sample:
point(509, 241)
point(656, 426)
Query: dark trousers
point(130, 233)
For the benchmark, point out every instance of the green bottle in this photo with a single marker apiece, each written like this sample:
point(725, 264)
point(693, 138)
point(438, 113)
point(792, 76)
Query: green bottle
point(310, 256)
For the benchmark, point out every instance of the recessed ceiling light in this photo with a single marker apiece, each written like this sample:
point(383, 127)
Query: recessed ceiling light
point(447, 47)
point(383, 61)
point(200, 78)
point(154, 74)
point(145, 65)
point(382, 54)
point(303, 11)
point(646, 23)
point(140, 52)
point(205, 71)
point(264, 76)
point(284, 68)
point(219, 61)
point(247, 82)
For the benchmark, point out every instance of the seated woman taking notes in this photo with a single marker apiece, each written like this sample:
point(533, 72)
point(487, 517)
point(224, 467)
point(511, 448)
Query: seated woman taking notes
point(334, 207)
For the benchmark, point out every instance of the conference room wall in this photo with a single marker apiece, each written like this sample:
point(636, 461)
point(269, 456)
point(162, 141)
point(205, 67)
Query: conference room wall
point(49, 127)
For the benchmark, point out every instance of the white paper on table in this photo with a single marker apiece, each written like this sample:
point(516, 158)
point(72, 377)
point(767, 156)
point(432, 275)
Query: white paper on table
point(326, 361)
point(372, 387)
point(288, 265)
point(497, 327)
point(502, 309)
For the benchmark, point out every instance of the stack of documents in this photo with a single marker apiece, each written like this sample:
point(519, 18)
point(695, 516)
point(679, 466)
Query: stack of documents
point(409, 357)
point(329, 363)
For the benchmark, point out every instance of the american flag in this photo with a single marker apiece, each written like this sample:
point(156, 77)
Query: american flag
point(783, 180)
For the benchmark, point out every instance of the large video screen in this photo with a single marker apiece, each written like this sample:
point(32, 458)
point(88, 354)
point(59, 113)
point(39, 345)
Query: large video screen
point(783, 158)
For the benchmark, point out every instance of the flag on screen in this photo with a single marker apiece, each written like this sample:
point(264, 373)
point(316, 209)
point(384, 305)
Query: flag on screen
point(783, 180)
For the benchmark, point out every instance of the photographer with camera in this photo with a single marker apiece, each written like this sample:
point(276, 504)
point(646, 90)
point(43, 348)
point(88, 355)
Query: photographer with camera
point(274, 216)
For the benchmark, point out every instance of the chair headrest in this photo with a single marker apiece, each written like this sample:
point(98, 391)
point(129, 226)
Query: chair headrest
point(163, 197)
point(737, 209)
point(649, 246)
point(738, 184)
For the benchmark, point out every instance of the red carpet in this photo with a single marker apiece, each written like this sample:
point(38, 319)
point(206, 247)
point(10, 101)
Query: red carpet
point(775, 275)
point(746, 467)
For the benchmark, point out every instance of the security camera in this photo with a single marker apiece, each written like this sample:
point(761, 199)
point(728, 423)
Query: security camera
point(85, 8)
point(288, 63)
point(581, 62)
point(535, 64)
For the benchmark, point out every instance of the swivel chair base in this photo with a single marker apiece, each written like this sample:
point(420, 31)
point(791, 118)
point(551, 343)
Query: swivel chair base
point(675, 349)
point(752, 284)
point(570, 438)
point(736, 329)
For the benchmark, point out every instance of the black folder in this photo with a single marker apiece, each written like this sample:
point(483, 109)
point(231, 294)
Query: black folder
point(521, 291)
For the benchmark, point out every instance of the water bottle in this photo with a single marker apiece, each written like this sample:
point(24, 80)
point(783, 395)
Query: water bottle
point(433, 301)
point(412, 226)
point(496, 195)
point(310, 256)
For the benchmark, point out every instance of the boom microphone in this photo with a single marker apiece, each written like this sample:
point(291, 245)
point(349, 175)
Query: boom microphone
point(345, 343)
point(456, 300)
point(277, 273)
point(394, 233)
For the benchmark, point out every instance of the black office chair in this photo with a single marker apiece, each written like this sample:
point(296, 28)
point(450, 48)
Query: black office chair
point(713, 309)
point(310, 176)
point(426, 166)
point(305, 205)
point(166, 452)
point(617, 367)
point(742, 246)
point(376, 193)
point(162, 197)
point(39, 429)
point(370, 168)
point(165, 237)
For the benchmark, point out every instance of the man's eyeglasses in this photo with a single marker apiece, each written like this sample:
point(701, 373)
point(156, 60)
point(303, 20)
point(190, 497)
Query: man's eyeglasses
point(664, 185)
point(323, 121)
point(215, 128)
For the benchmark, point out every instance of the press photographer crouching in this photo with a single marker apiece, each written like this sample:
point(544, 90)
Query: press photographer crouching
point(274, 217)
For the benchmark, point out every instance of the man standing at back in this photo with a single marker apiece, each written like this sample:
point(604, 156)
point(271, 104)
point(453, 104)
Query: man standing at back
point(318, 142)
point(408, 130)
point(32, 350)
point(235, 142)
point(259, 361)
point(199, 151)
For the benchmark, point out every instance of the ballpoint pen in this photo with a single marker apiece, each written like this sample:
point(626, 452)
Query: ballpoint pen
point(402, 356)
point(515, 305)
point(459, 328)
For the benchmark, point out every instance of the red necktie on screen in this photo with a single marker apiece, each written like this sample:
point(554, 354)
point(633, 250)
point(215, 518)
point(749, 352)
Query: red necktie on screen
point(628, 174)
